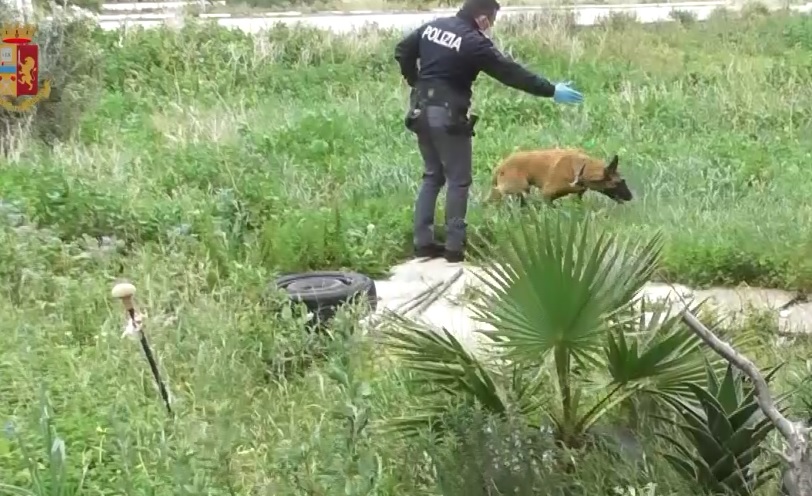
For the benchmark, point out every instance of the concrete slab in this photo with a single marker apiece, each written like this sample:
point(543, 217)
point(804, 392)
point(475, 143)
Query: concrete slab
point(734, 304)
point(425, 270)
point(796, 320)
point(666, 294)
point(459, 321)
point(745, 298)
point(450, 309)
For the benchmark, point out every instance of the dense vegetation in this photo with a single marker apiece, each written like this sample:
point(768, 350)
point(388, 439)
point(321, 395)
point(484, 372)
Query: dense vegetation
point(201, 162)
point(247, 6)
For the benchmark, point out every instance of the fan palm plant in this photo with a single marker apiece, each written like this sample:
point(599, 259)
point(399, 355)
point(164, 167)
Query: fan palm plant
point(559, 301)
point(725, 432)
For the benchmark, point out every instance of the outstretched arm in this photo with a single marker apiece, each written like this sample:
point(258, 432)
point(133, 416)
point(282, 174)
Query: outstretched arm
point(406, 53)
point(493, 63)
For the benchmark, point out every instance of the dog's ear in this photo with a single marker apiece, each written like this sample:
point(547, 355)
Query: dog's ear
point(612, 167)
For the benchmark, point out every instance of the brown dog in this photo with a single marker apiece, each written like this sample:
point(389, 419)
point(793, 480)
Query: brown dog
point(558, 172)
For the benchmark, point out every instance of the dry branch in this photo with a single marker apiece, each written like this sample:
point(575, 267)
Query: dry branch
point(798, 454)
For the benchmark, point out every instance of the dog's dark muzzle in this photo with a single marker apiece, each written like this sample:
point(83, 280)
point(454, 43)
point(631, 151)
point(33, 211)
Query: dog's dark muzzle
point(620, 193)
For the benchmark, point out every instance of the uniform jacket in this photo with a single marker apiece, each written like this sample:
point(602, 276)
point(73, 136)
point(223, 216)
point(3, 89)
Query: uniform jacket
point(452, 51)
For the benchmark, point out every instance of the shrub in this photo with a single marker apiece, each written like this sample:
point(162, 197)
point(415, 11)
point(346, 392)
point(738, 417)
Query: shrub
point(684, 17)
point(724, 438)
point(52, 5)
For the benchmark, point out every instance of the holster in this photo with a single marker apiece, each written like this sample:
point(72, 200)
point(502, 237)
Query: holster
point(412, 120)
point(462, 124)
point(424, 95)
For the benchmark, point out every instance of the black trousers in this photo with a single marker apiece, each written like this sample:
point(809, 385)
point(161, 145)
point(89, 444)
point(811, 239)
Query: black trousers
point(446, 161)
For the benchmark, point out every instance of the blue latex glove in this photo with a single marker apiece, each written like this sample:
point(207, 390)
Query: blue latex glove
point(565, 94)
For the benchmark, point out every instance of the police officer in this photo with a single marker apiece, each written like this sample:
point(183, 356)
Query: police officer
point(452, 51)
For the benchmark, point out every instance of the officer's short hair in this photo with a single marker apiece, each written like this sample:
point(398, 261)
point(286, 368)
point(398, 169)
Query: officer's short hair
point(475, 8)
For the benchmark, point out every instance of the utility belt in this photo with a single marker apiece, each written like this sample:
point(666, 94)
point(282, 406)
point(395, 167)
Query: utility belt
point(426, 95)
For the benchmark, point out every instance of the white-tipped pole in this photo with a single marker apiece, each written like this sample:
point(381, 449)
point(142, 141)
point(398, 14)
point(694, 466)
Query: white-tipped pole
point(125, 292)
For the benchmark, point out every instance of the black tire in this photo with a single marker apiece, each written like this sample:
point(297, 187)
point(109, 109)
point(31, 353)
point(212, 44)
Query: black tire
point(324, 292)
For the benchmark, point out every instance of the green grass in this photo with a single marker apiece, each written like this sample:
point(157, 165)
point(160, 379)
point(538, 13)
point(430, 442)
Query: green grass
point(212, 161)
point(290, 152)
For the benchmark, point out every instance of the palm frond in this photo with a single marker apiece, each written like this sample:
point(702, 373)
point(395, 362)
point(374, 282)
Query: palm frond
point(430, 418)
point(661, 359)
point(556, 284)
point(527, 390)
point(442, 368)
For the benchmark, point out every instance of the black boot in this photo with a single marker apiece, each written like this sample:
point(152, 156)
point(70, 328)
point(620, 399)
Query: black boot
point(454, 256)
point(433, 250)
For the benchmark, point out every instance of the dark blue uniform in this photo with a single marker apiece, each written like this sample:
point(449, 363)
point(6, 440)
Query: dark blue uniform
point(451, 53)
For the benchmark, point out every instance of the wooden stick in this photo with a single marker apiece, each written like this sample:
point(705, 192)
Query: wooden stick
point(125, 292)
point(798, 455)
